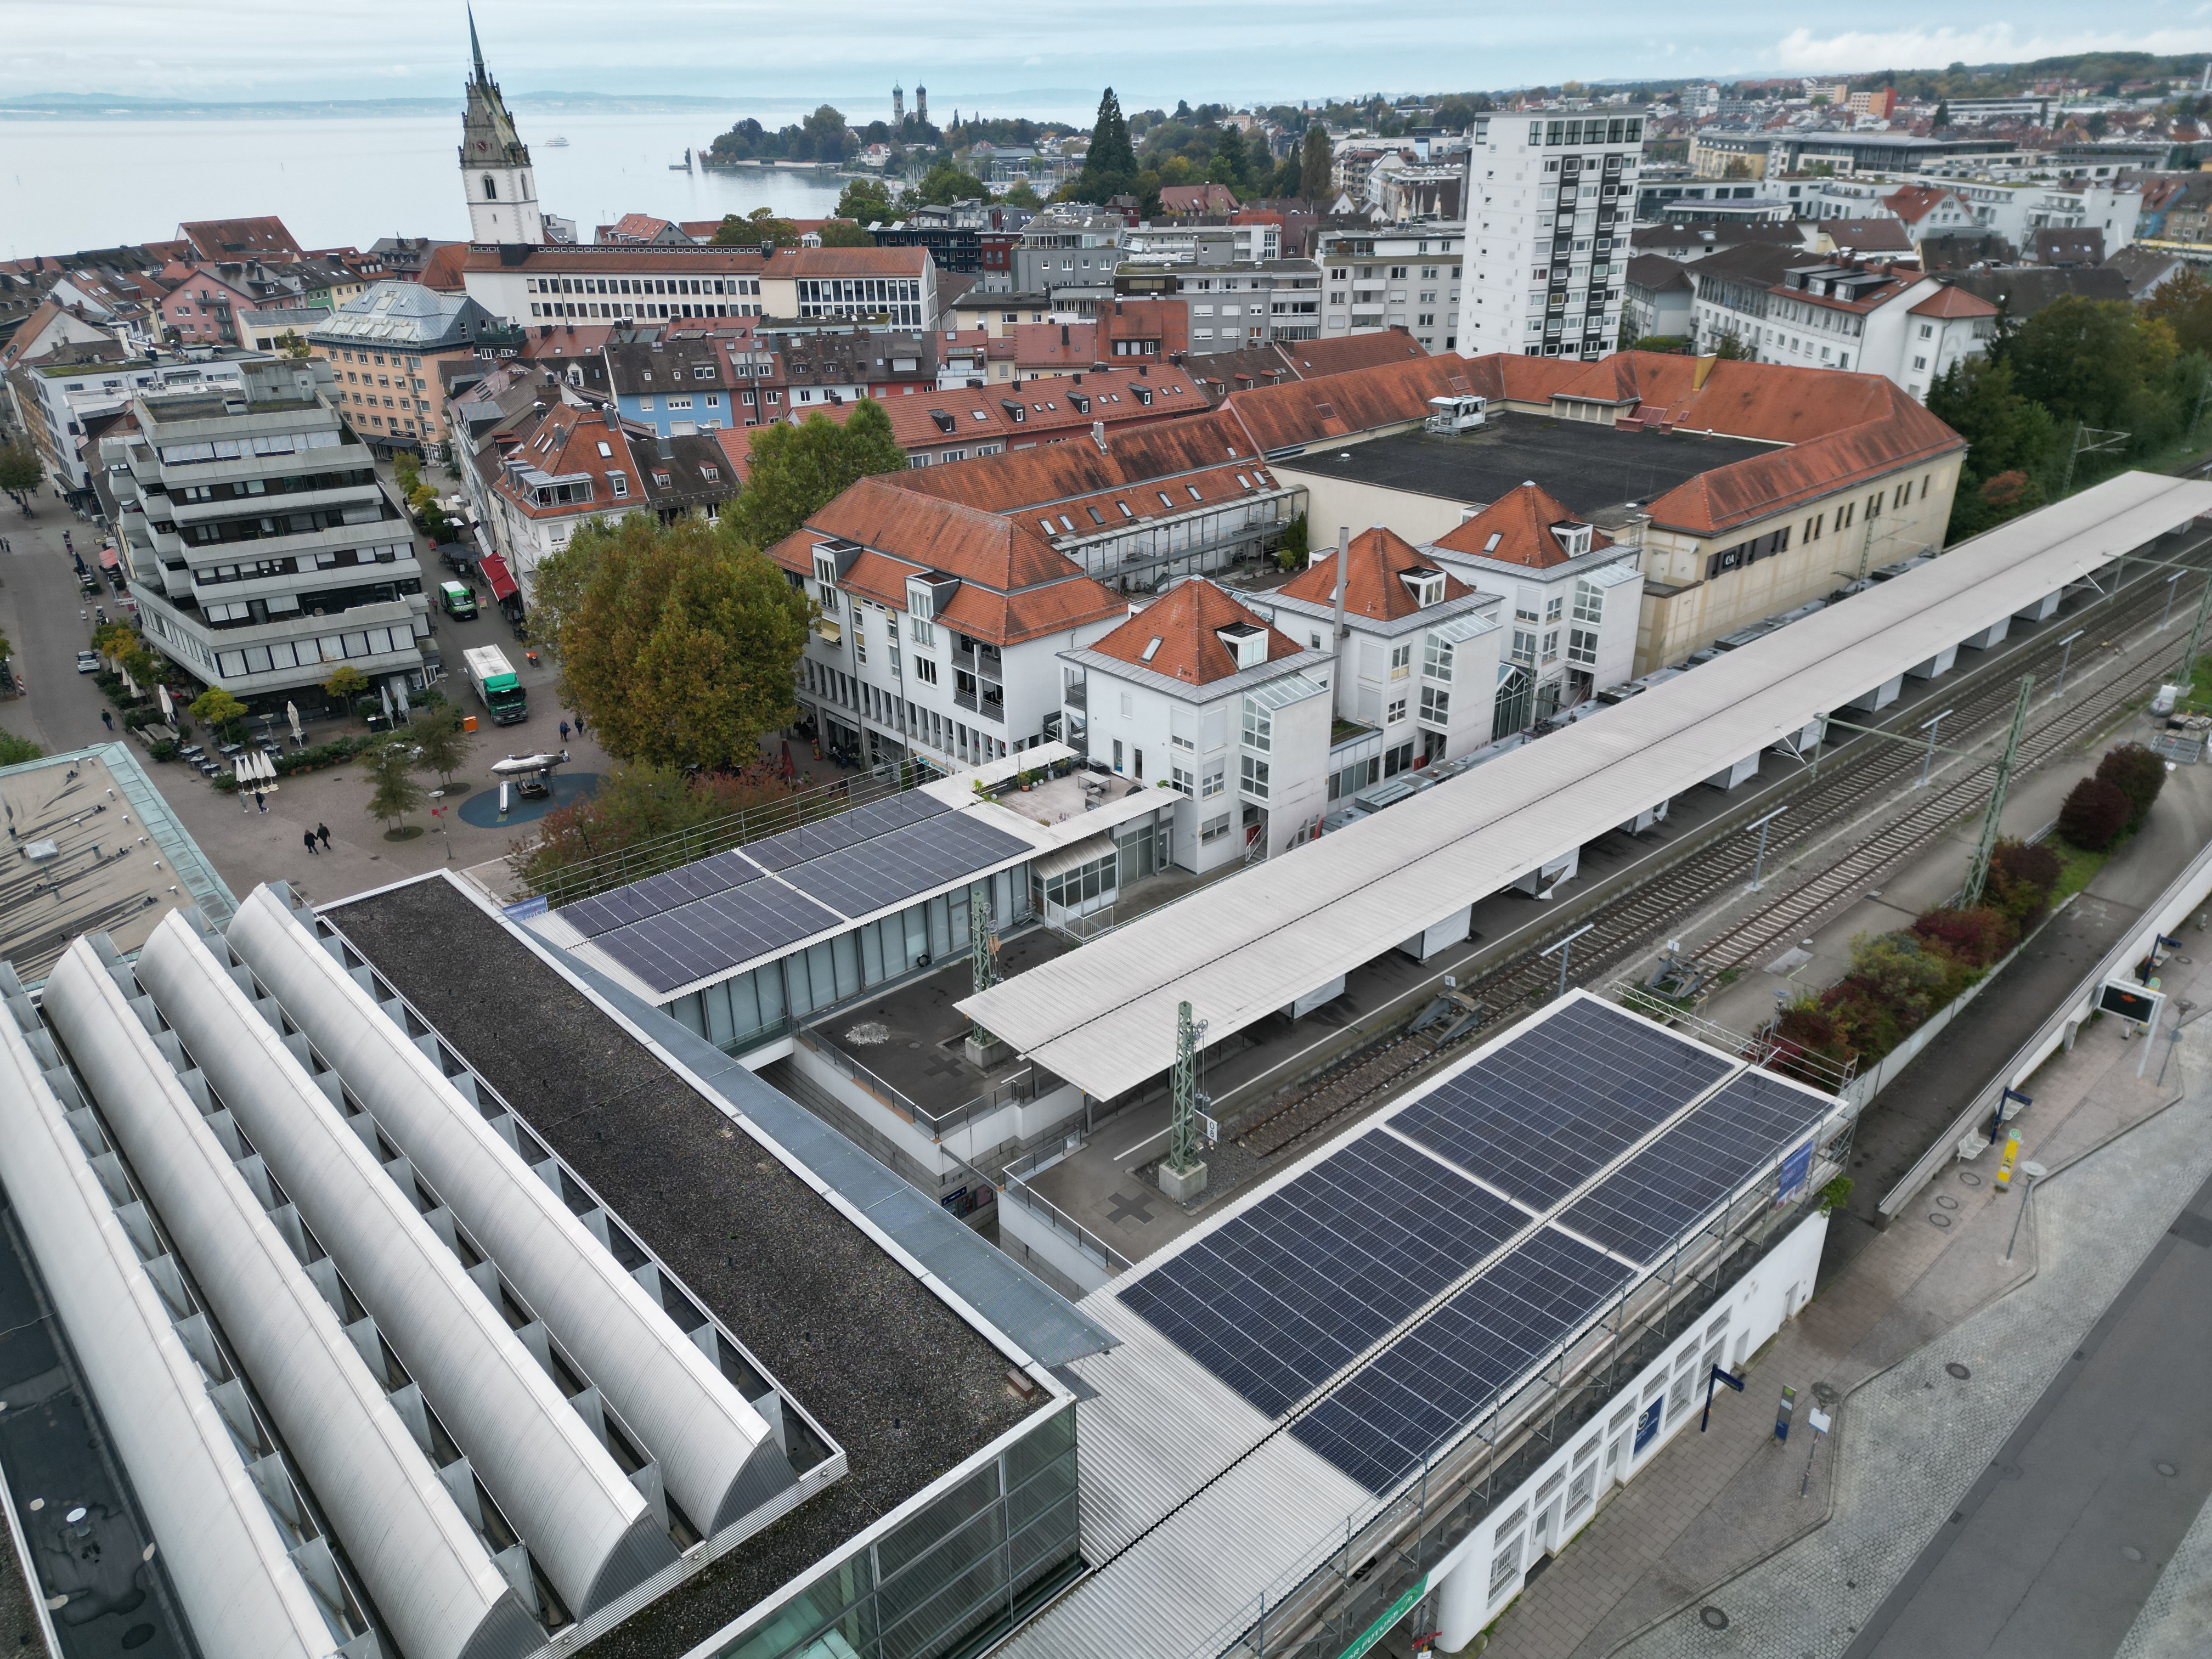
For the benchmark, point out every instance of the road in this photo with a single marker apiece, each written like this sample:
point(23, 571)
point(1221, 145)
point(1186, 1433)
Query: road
point(2052, 1552)
point(40, 610)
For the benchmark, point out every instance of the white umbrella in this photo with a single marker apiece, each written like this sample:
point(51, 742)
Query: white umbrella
point(130, 684)
point(384, 690)
point(292, 713)
point(169, 709)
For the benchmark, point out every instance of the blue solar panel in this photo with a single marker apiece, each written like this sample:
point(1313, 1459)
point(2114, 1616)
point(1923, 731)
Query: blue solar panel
point(1438, 1377)
point(657, 894)
point(812, 841)
point(716, 933)
point(899, 863)
point(1642, 1207)
point(1281, 1297)
point(1544, 1113)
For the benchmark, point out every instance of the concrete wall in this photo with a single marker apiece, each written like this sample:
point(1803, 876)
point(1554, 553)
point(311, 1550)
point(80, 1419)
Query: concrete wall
point(1331, 501)
point(1533, 1521)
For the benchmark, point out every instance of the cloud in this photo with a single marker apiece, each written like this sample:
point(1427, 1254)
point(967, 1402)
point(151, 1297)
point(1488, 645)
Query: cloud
point(1932, 48)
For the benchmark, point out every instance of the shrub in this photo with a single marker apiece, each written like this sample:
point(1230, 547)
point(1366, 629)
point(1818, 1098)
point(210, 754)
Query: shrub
point(163, 750)
point(2136, 773)
point(1804, 1030)
point(1977, 937)
point(2093, 815)
point(323, 753)
point(135, 718)
point(2021, 881)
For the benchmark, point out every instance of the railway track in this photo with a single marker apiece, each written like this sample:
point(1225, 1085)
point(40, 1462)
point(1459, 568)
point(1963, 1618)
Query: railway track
point(1863, 769)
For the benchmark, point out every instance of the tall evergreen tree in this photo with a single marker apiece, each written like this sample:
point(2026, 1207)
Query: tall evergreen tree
point(1315, 165)
point(1112, 165)
point(1228, 168)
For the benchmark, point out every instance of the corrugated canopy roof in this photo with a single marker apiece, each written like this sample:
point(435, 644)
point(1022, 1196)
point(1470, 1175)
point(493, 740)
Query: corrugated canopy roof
point(1104, 1018)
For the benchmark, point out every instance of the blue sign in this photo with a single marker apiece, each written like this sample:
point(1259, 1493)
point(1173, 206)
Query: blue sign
point(529, 907)
point(1796, 1169)
point(1647, 1425)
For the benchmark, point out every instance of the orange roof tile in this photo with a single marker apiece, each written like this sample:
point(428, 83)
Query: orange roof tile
point(1376, 561)
point(1186, 621)
point(1065, 471)
point(1950, 301)
point(1516, 529)
point(1341, 405)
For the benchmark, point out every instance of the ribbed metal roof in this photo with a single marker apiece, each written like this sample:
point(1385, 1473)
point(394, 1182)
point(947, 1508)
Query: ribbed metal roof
point(1104, 1018)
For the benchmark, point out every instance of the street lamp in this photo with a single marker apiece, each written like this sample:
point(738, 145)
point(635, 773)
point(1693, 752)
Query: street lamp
point(1758, 865)
point(2064, 657)
point(1928, 759)
point(1561, 947)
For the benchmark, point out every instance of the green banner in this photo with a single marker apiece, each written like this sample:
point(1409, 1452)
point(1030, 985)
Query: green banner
point(1391, 1614)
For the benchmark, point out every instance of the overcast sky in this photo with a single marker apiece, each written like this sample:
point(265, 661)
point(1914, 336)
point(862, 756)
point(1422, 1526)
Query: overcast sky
point(1008, 58)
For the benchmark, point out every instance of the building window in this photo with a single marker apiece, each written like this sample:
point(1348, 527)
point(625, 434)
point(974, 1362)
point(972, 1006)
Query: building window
point(1255, 776)
point(925, 670)
point(1396, 712)
point(1181, 780)
point(1524, 645)
point(1259, 727)
point(1436, 659)
point(1582, 647)
point(1589, 604)
point(1435, 705)
point(1402, 661)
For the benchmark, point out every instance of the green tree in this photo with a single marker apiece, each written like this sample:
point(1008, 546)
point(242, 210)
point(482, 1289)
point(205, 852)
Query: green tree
point(1315, 165)
point(798, 468)
point(291, 345)
point(20, 471)
point(1022, 196)
point(216, 708)
point(346, 683)
point(2183, 303)
point(1729, 348)
point(1229, 161)
point(394, 790)
point(759, 226)
point(436, 733)
point(679, 642)
point(1109, 167)
point(2011, 442)
point(637, 806)
point(823, 137)
point(864, 202)
point(945, 184)
point(1292, 555)
point(1943, 116)
point(15, 750)
point(836, 233)
point(2094, 361)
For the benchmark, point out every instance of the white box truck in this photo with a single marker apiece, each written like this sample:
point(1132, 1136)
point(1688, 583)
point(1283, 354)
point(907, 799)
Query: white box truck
point(499, 691)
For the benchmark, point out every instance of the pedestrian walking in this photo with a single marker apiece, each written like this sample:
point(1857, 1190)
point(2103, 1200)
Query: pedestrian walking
point(261, 801)
point(579, 723)
point(107, 720)
point(564, 731)
point(309, 837)
point(324, 831)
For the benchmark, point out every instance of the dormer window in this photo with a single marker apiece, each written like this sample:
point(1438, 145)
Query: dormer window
point(1247, 643)
point(1425, 584)
point(1574, 538)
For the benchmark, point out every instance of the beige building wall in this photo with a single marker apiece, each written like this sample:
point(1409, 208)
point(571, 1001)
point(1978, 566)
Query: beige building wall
point(1833, 540)
point(1331, 501)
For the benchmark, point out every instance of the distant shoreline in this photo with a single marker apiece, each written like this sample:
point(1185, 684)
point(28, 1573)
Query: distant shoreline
point(341, 108)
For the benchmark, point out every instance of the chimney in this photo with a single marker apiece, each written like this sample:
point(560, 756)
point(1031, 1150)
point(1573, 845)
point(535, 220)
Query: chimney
point(613, 418)
point(1098, 436)
point(1343, 561)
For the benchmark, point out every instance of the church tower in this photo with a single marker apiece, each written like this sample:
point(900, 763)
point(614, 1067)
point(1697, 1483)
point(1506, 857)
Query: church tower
point(921, 105)
point(898, 104)
point(495, 164)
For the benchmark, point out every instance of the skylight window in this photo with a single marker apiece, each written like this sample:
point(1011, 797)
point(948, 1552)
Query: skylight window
point(1151, 649)
point(605, 452)
point(1496, 536)
point(1194, 495)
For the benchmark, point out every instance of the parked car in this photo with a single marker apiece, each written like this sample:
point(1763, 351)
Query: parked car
point(88, 662)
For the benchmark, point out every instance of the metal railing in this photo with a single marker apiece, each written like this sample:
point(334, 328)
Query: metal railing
point(1015, 1187)
point(623, 865)
point(1021, 1086)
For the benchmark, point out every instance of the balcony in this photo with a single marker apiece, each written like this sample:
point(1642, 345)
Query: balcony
point(1076, 694)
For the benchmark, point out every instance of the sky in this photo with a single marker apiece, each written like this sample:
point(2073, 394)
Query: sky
point(1044, 60)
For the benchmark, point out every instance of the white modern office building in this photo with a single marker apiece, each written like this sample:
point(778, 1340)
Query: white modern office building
point(1390, 277)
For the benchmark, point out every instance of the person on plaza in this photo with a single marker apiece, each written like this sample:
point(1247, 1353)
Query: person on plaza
point(564, 731)
point(261, 801)
point(309, 837)
point(322, 830)
point(107, 720)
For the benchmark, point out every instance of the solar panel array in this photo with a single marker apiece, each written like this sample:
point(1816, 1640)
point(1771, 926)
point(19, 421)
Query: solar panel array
point(687, 925)
point(1544, 1114)
point(1279, 1299)
point(1440, 1375)
point(1642, 1207)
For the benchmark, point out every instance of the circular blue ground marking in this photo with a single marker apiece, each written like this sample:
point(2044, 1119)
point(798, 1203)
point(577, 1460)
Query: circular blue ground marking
point(480, 807)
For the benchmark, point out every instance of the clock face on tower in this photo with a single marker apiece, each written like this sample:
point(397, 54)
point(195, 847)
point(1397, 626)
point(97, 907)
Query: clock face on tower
point(481, 144)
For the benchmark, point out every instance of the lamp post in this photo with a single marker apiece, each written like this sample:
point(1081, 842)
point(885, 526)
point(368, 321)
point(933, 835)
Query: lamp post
point(2167, 616)
point(1928, 759)
point(1758, 864)
point(1565, 952)
point(2065, 657)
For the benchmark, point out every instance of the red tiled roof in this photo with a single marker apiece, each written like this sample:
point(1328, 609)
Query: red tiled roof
point(1376, 560)
point(567, 442)
point(1914, 202)
point(1197, 198)
point(1339, 405)
point(1065, 471)
point(1187, 622)
point(1520, 520)
point(1949, 300)
point(233, 238)
point(441, 271)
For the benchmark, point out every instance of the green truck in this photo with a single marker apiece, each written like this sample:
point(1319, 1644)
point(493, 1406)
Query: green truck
point(460, 603)
point(493, 676)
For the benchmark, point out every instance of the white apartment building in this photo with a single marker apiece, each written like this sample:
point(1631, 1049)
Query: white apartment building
point(1183, 245)
point(1196, 692)
point(937, 626)
point(1549, 201)
point(58, 402)
point(263, 550)
point(1395, 276)
point(1575, 593)
point(1417, 650)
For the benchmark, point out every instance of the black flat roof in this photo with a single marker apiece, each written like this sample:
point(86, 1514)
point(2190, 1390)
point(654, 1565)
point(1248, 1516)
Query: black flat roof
point(1587, 466)
point(902, 1383)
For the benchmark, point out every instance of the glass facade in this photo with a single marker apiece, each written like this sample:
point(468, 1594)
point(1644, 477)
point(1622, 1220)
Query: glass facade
point(762, 1004)
point(951, 1578)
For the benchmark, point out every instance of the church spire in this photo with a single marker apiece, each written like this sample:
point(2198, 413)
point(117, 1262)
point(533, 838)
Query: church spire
point(476, 47)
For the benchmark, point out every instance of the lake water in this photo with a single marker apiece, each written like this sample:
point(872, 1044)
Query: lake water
point(76, 184)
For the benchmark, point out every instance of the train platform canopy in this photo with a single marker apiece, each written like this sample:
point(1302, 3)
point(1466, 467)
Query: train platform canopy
point(1104, 1018)
point(1292, 1365)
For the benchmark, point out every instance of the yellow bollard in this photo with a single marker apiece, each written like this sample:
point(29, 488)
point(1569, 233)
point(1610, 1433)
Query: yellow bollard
point(2005, 1163)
